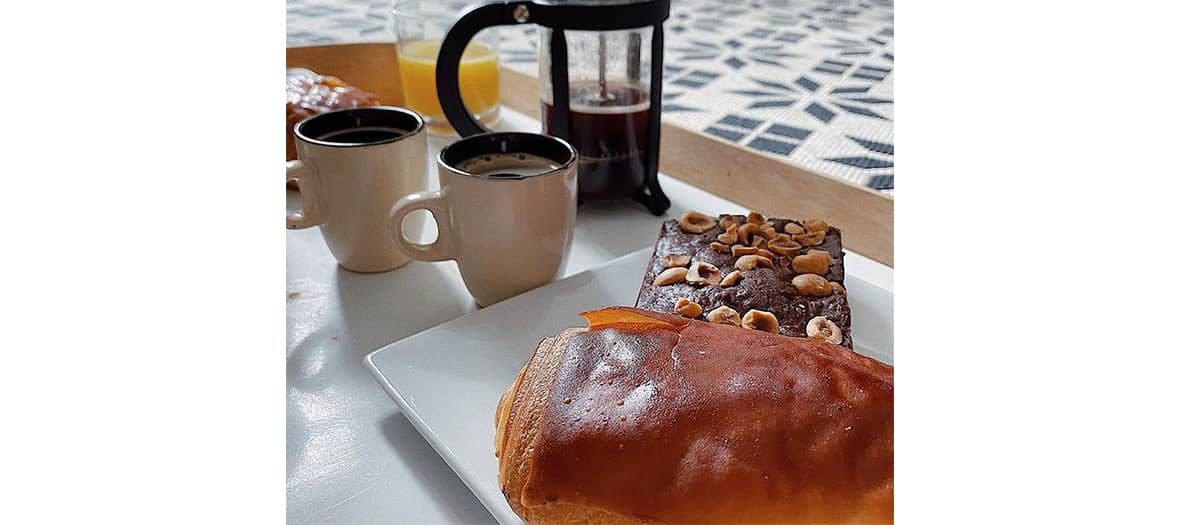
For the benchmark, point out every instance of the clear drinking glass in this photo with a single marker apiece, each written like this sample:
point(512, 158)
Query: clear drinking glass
point(419, 27)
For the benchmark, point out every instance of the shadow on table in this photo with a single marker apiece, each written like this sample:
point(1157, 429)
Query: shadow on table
point(386, 307)
point(431, 471)
point(620, 227)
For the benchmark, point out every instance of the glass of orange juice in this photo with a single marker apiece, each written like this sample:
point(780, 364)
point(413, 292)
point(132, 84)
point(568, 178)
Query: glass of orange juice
point(420, 26)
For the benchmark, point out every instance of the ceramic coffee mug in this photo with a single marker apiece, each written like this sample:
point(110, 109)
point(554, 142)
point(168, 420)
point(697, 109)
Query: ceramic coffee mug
point(354, 164)
point(505, 212)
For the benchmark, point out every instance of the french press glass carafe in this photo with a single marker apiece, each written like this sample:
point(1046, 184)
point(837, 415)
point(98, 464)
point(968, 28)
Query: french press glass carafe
point(600, 70)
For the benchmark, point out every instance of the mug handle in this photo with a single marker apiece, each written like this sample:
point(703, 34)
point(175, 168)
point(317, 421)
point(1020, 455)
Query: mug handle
point(308, 214)
point(435, 202)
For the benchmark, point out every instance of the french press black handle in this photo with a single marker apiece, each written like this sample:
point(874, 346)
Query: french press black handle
point(446, 72)
point(501, 13)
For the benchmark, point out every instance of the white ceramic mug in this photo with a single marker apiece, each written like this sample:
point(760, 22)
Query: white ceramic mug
point(354, 164)
point(507, 232)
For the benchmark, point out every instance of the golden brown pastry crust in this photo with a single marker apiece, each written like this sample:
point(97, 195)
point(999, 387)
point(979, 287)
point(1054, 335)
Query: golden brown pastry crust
point(652, 418)
point(309, 93)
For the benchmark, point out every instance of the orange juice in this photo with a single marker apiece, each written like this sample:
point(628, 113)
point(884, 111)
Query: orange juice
point(479, 78)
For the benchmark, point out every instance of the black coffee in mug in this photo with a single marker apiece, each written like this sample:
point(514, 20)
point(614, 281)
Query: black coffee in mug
point(508, 165)
point(361, 135)
point(358, 127)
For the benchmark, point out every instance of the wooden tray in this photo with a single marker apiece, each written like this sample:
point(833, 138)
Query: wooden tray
point(742, 175)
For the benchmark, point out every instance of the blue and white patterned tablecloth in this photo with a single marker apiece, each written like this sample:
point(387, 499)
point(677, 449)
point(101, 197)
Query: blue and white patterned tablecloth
point(809, 81)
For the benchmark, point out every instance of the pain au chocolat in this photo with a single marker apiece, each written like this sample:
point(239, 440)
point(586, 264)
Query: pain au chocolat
point(646, 417)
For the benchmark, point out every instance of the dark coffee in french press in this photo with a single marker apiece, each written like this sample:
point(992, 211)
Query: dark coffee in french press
point(608, 127)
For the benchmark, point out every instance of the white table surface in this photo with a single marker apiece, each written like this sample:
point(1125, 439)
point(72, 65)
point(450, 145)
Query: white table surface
point(352, 457)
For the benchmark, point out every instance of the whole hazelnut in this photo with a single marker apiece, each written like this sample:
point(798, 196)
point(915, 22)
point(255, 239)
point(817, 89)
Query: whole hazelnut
point(814, 261)
point(670, 276)
point(812, 284)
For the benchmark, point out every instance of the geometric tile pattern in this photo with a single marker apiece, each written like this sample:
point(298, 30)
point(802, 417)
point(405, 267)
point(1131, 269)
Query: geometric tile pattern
point(809, 81)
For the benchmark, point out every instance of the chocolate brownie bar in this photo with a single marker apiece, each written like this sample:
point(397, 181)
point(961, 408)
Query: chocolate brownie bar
point(773, 284)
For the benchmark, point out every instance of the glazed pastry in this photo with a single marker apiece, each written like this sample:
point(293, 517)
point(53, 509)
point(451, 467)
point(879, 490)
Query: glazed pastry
point(647, 417)
point(309, 93)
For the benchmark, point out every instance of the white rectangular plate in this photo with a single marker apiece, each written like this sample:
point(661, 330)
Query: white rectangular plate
point(448, 379)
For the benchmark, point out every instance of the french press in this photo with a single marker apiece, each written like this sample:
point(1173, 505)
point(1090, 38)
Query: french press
point(600, 70)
